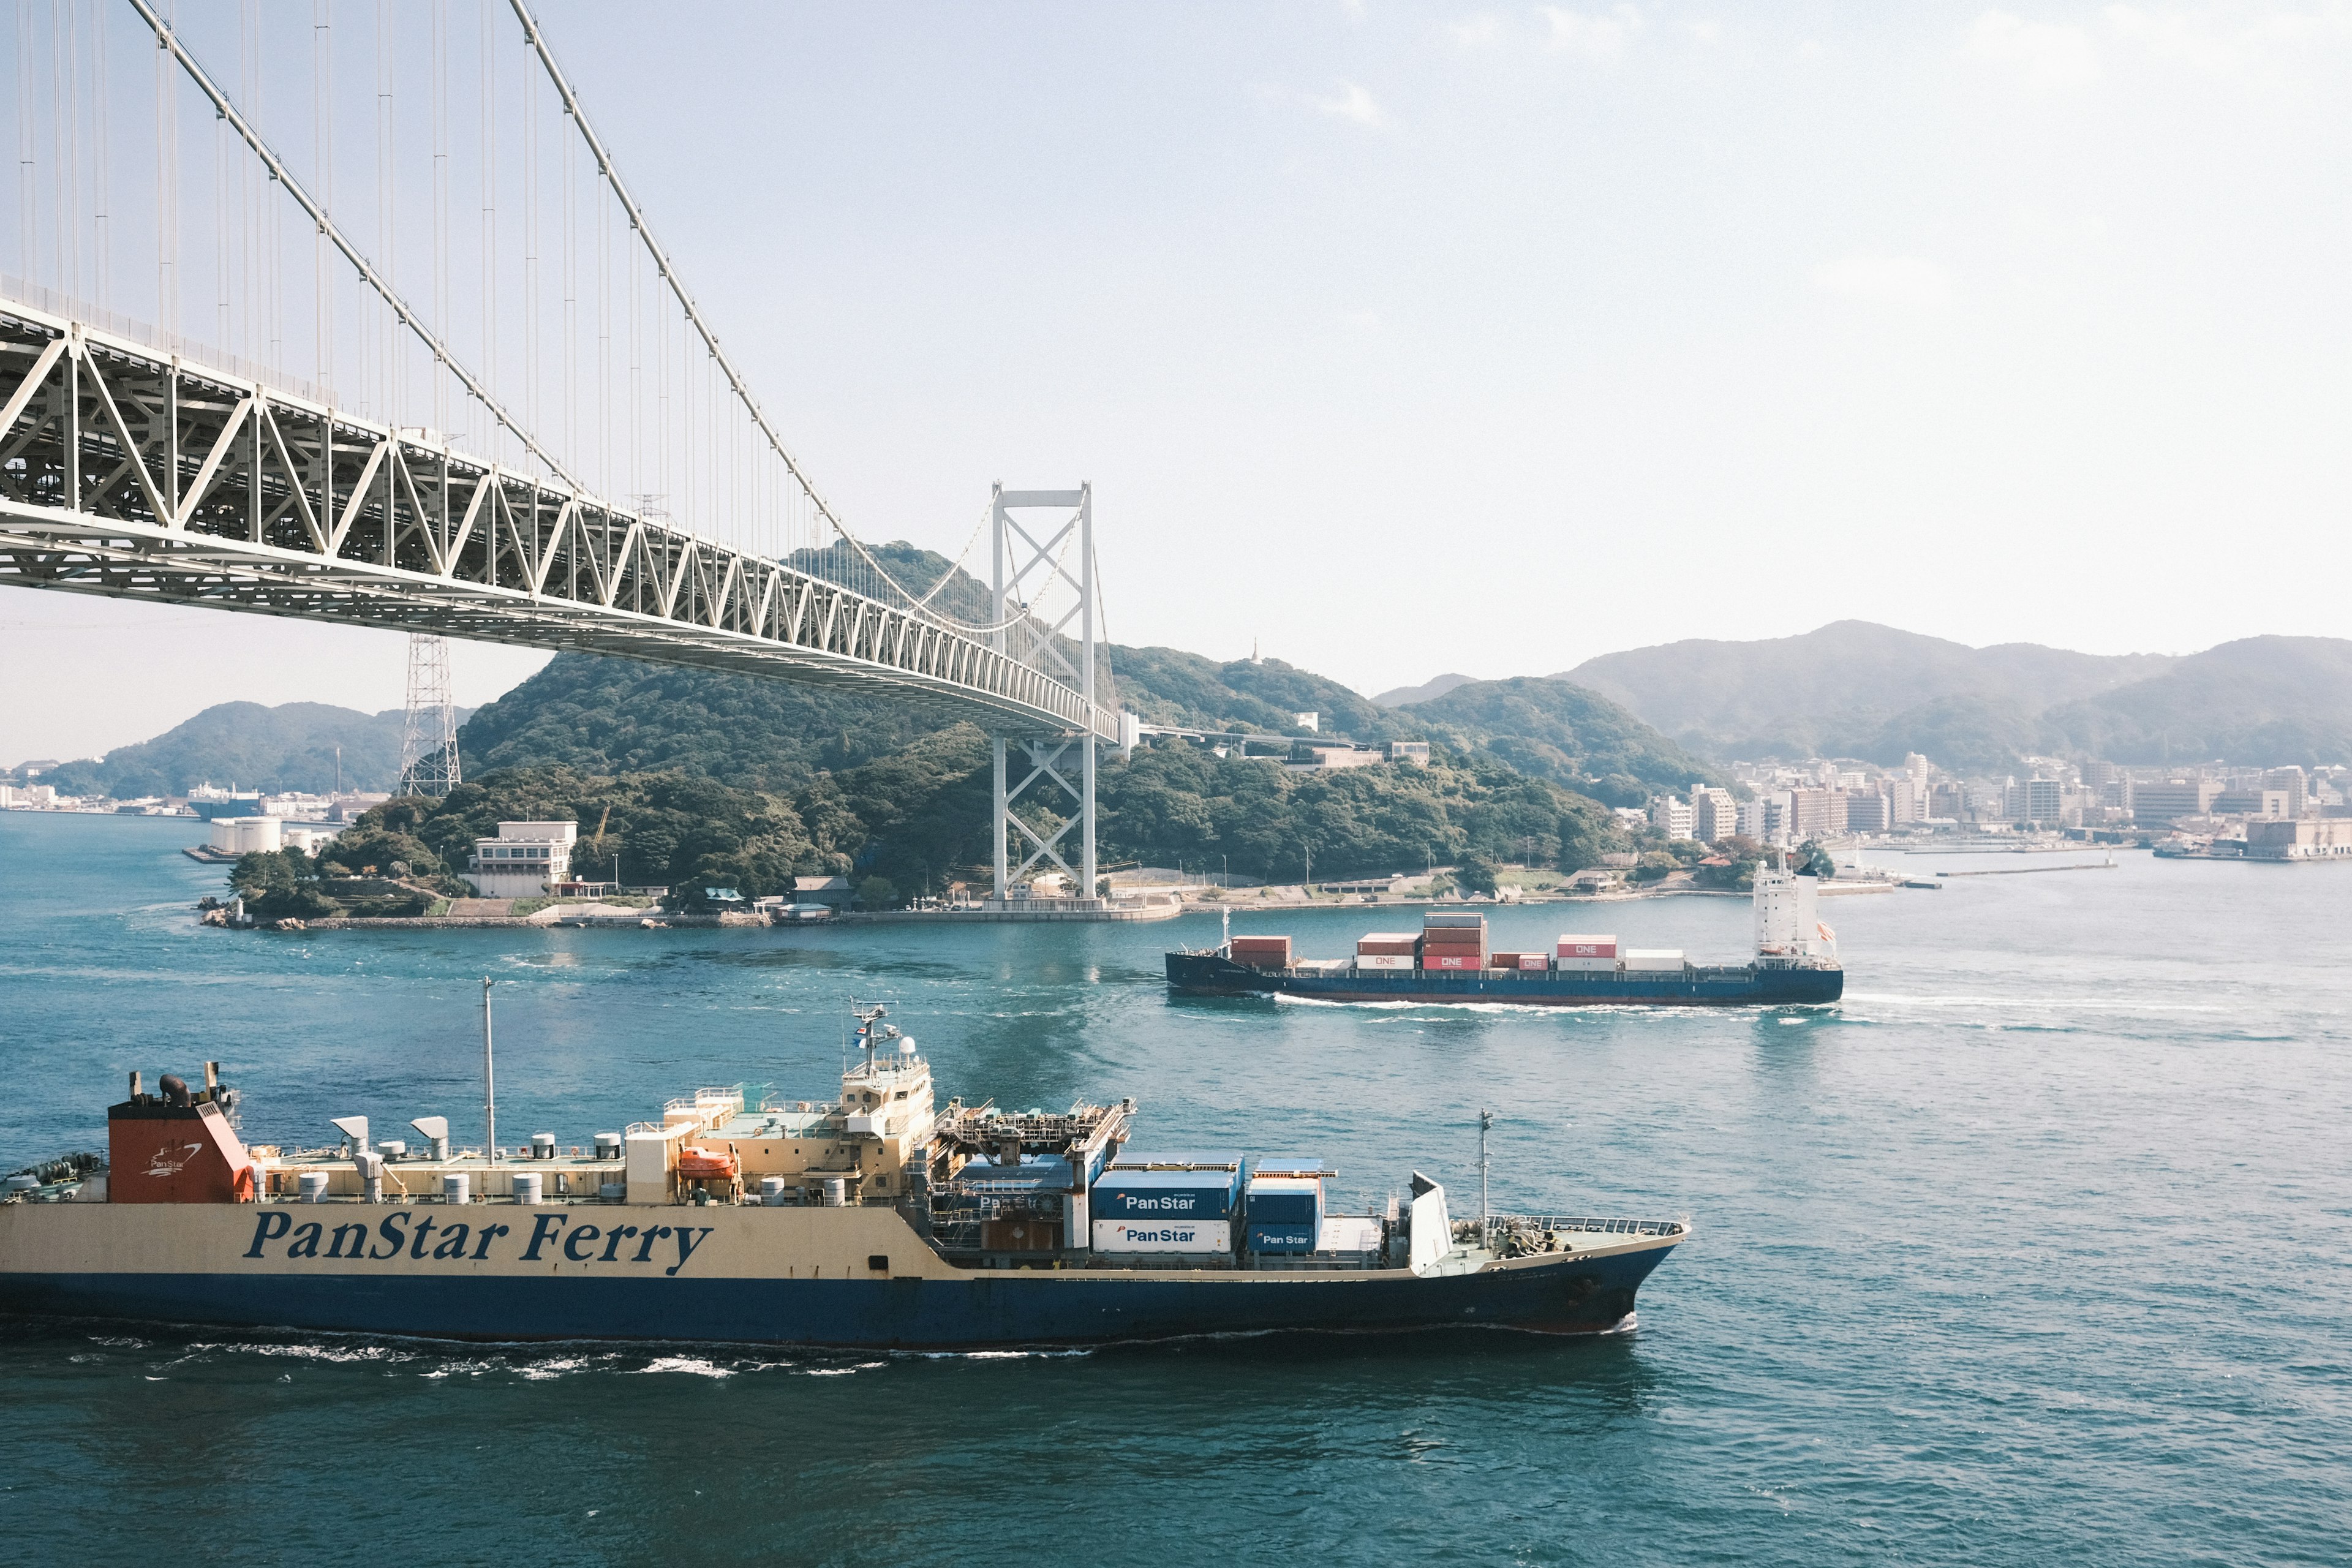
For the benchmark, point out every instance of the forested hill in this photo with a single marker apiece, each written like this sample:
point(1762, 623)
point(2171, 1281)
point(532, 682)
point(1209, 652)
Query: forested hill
point(288, 748)
point(918, 820)
point(615, 716)
point(1554, 729)
point(1856, 689)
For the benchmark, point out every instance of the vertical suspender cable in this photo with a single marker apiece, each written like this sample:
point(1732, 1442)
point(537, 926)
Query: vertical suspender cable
point(387, 218)
point(488, 83)
point(220, 233)
point(166, 317)
point(104, 260)
point(441, 200)
point(69, 150)
point(636, 386)
point(604, 339)
point(249, 236)
point(570, 306)
point(60, 142)
point(531, 323)
point(322, 154)
point(27, 174)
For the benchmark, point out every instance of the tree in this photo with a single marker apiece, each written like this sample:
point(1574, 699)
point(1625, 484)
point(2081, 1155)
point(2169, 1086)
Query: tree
point(281, 884)
point(1655, 864)
point(1812, 860)
point(878, 893)
point(1477, 874)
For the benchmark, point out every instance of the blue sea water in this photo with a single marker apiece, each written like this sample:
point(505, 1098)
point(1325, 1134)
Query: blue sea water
point(2034, 1250)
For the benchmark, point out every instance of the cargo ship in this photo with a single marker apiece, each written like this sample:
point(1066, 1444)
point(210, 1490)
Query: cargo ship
point(878, 1221)
point(1450, 960)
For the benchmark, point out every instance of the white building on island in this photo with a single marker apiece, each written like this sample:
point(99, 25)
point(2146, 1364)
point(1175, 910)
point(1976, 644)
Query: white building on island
point(524, 860)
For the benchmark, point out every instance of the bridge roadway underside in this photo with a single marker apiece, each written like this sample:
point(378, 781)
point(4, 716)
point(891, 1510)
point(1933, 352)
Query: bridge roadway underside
point(134, 474)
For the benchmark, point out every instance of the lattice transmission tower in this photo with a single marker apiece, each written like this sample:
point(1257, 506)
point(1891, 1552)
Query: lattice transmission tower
point(428, 741)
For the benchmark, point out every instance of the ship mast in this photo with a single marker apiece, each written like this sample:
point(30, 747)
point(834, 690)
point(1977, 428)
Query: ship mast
point(489, 1079)
point(1486, 1125)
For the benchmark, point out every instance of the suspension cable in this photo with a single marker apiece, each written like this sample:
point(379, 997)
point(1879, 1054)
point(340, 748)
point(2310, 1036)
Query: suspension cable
point(668, 274)
point(329, 233)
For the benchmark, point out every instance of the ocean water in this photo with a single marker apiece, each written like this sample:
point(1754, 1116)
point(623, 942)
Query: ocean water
point(2036, 1249)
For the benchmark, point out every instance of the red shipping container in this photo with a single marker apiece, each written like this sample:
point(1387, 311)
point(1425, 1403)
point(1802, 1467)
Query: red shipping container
point(1262, 951)
point(1452, 961)
point(1587, 946)
point(1502, 960)
point(1538, 960)
point(1388, 942)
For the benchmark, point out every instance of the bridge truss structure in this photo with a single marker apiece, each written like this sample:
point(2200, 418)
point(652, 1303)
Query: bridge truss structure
point(140, 462)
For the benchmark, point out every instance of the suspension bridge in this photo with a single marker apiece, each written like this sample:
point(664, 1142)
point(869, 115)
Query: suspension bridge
point(560, 456)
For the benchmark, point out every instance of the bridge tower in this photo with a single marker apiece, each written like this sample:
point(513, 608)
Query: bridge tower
point(428, 740)
point(1027, 559)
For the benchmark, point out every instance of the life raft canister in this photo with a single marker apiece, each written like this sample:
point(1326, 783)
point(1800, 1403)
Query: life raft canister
point(697, 1163)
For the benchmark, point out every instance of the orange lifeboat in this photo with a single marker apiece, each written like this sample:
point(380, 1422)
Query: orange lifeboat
point(696, 1163)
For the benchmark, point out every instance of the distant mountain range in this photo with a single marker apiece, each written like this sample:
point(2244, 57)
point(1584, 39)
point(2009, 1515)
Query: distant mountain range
point(1857, 690)
point(287, 749)
point(1404, 696)
point(1617, 728)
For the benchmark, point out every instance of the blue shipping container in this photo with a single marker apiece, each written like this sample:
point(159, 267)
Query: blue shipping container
point(1285, 1201)
point(1280, 1237)
point(1166, 1195)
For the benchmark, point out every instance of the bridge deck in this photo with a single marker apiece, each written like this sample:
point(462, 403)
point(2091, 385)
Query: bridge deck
point(131, 473)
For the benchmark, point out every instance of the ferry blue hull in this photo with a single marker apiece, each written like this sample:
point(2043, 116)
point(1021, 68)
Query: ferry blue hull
point(1743, 985)
point(1590, 1295)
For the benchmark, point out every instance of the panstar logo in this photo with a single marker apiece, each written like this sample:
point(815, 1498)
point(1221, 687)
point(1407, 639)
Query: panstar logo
point(420, 1238)
point(166, 1166)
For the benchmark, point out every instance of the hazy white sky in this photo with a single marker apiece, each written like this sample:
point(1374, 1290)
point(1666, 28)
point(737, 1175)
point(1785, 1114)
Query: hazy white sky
point(1412, 338)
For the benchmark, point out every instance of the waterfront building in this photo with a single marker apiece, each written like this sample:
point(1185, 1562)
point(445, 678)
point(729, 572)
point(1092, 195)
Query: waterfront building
point(1715, 814)
point(2266, 804)
point(1670, 817)
point(1766, 818)
point(2300, 838)
point(834, 892)
point(1866, 811)
point(2155, 804)
point(1814, 813)
point(1413, 751)
point(524, 860)
point(2034, 800)
point(2297, 788)
point(1905, 801)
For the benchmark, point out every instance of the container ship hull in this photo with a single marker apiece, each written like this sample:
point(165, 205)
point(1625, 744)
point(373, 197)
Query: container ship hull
point(853, 1278)
point(1741, 985)
point(878, 1221)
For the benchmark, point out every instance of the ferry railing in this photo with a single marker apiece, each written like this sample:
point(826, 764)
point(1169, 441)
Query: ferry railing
point(1500, 1225)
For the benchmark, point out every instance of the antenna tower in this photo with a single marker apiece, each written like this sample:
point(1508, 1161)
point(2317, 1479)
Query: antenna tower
point(428, 741)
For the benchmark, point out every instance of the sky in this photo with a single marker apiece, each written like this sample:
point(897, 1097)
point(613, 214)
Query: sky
point(1400, 339)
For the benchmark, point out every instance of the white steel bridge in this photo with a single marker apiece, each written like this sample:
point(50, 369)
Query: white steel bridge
point(141, 461)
